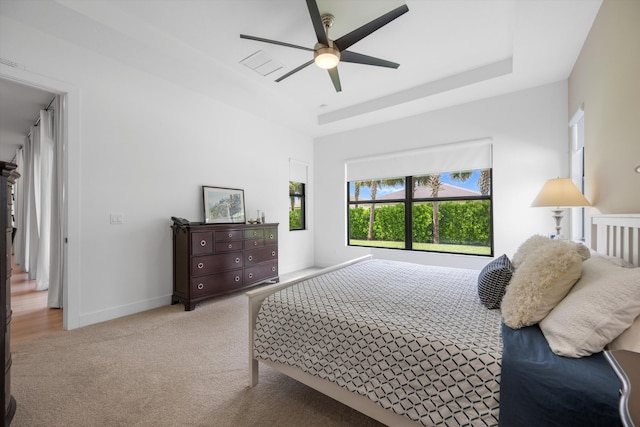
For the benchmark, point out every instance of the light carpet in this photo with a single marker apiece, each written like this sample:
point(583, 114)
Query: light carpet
point(163, 367)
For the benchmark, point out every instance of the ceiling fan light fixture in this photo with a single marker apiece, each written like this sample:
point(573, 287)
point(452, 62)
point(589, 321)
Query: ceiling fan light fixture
point(326, 57)
point(326, 53)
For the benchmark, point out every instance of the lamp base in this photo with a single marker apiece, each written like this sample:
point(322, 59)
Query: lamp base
point(557, 216)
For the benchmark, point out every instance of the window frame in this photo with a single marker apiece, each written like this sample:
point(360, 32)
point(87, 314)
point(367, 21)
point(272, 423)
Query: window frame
point(408, 201)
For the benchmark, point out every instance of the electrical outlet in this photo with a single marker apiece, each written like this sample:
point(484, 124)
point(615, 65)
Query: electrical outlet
point(116, 218)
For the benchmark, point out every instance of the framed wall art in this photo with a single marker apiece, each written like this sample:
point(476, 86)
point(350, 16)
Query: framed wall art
point(223, 205)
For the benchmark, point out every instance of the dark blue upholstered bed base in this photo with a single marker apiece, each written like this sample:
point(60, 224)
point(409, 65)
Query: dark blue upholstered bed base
point(539, 388)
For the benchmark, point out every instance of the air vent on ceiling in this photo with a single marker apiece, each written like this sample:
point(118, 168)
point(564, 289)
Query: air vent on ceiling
point(261, 63)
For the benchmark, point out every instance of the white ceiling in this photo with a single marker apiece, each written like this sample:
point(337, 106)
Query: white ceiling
point(450, 51)
point(19, 110)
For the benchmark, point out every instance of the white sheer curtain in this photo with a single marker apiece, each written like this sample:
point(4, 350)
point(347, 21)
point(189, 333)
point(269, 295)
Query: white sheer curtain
point(32, 196)
point(39, 239)
point(43, 199)
point(57, 255)
point(18, 242)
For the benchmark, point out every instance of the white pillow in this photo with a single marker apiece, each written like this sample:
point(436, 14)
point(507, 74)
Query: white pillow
point(613, 260)
point(629, 339)
point(543, 278)
point(603, 303)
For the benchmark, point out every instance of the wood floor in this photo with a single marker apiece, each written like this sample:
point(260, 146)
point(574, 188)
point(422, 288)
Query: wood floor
point(31, 318)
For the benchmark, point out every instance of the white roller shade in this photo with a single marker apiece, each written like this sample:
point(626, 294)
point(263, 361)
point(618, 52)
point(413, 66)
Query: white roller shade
point(297, 171)
point(460, 156)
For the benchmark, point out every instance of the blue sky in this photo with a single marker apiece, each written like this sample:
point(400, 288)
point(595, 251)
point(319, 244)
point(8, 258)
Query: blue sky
point(471, 184)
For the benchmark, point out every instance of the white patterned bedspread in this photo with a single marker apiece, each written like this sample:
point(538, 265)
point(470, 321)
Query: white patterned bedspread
point(413, 338)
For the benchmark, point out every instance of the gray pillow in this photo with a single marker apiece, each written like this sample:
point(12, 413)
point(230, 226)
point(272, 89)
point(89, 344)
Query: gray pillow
point(493, 281)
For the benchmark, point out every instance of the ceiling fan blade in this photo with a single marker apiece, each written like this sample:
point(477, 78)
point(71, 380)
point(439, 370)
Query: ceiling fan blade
point(316, 20)
point(335, 78)
point(358, 58)
point(260, 39)
point(295, 70)
point(358, 34)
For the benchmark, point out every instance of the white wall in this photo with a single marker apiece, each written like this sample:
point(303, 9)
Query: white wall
point(529, 131)
point(144, 148)
point(605, 81)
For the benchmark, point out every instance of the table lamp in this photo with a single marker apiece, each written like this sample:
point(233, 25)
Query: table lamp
point(559, 193)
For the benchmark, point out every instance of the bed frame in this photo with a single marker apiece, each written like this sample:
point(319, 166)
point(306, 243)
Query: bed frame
point(617, 235)
point(614, 235)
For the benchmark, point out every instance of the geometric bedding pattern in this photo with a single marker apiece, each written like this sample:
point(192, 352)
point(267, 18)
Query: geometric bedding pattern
point(415, 339)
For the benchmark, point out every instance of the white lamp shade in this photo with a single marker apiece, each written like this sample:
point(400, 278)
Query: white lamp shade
point(560, 192)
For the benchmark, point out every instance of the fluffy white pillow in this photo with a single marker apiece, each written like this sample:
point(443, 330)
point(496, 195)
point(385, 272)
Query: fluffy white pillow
point(538, 241)
point(603, 303)
point(582, 250)
point(540, 282)
point(629, 339)
point(530, 245)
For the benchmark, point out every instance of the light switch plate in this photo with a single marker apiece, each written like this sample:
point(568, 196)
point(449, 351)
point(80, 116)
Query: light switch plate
point(116, 218)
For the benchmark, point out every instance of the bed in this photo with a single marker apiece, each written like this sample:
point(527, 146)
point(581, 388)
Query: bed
point(410, 344)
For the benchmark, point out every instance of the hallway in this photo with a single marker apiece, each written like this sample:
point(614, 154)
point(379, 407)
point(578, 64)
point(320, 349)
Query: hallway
point(31, 318)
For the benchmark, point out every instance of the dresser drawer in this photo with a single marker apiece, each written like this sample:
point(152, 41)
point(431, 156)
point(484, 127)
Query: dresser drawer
point(256, 256)
point(226, 235)
point(260, 272)
point(209, 264)
point(202, 242)
point(253, 243)
point(216, 284)
point(226, 246)
point(253, 233)
point(270, 236)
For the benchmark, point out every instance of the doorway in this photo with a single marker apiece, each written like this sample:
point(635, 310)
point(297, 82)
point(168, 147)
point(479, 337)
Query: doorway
point(20, 107)
point(71, 167)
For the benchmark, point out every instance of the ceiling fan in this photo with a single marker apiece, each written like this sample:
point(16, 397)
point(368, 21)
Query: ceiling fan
point(328, 53)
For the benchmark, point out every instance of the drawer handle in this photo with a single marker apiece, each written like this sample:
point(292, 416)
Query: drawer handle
point(250, 257)
point(271, 236)
point(230, 234)
point(273, 253)
point(255, 233)
point(230, 245)
point(250, 275)
point(200, 265)
point(273, 269)
point(200, 286)
point(203, 242)
point(255, 243)
point(237, 260)
point(237, 278)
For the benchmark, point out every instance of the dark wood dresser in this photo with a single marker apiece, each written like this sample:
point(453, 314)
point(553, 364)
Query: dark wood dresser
point(7, 179)
point(210, 260)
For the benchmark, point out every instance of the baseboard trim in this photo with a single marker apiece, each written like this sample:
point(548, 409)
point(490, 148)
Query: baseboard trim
point(123, 310)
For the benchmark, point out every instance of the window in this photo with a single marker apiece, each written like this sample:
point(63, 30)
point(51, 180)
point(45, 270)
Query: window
point(298, 176)
point(296, 206)
point(447, 212)
point(577, 172)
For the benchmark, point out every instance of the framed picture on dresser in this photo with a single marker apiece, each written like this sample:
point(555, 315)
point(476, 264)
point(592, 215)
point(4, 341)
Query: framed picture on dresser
point(223, 205)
